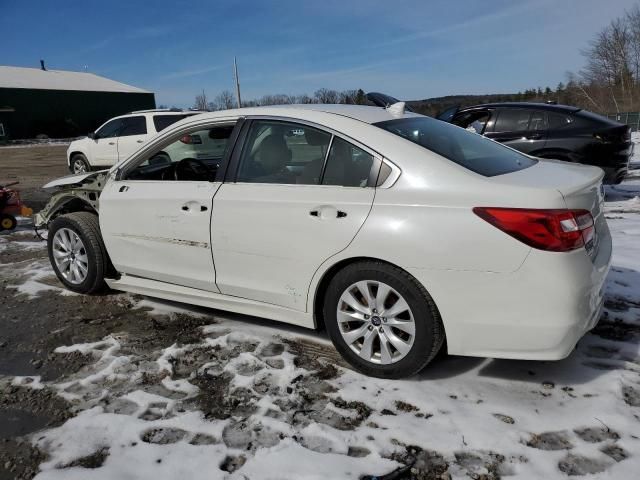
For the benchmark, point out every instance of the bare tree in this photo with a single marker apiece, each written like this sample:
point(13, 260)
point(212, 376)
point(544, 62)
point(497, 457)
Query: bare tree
point(201, 102)
point(324, 95)
point(225, 100)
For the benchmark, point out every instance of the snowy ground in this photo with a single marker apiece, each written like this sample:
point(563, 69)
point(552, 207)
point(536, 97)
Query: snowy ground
point(160, 390)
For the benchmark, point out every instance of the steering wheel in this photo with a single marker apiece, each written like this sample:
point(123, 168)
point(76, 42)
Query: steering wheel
point(191, 169)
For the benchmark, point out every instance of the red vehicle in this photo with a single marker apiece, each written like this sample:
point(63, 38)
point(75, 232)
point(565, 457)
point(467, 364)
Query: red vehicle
point(10, 206)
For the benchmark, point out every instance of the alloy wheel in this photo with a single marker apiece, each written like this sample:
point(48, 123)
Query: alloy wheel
point(79, 166)
point(376, 322)
point(70, 256)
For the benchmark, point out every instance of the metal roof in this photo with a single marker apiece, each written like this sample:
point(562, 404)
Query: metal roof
point(36, 78)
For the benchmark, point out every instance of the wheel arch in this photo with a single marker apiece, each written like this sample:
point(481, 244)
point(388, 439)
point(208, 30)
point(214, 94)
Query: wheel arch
point(329, 273)
point(74, 153)
point(67, 204)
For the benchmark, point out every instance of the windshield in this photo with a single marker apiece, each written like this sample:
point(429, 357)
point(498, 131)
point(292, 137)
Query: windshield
point(470, 150)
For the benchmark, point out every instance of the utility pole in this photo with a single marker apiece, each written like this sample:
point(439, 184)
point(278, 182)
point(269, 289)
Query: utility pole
point(235, 72)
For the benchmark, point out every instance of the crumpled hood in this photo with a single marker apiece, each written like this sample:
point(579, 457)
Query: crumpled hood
point(73, 179)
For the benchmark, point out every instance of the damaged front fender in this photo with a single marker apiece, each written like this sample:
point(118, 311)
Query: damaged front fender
point(74, 193)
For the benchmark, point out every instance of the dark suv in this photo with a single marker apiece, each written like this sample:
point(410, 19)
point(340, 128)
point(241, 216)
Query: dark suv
point(552, 131)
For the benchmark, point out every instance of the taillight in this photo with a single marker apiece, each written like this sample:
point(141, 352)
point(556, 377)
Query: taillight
point(554, 230)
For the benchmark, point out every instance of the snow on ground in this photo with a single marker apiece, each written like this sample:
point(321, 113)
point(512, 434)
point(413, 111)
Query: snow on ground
point(247, 398)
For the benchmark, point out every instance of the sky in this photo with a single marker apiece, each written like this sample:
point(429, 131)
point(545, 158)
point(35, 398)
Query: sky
point(410, 49)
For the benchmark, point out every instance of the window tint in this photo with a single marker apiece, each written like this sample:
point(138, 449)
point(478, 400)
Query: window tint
point(467, 149)
point(347, 165)
point(473, 121)
point(538, 120)
point(163, 121)
point(282, 152)
point(133, 126)
point(110, 129)
point(512, 120)
point(559, 120)
point(194, 156)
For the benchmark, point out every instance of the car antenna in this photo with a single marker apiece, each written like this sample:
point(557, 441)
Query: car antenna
point(396, 110)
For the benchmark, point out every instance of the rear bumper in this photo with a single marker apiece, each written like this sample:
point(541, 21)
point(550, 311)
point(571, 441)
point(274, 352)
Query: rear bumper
point(538, 312)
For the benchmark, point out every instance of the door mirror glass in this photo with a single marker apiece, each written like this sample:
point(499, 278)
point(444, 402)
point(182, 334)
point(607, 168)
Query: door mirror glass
point(91, 135)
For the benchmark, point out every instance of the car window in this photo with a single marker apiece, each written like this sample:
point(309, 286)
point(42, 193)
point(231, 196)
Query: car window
point(559, 120)
point(283, 152)
point(194, 156)
point(472, 151)
point(133, 126)
point(110, 129)
point(163, 121)
point(472, 121)
point(538, 120)
point(347, 165)
point(512, 120)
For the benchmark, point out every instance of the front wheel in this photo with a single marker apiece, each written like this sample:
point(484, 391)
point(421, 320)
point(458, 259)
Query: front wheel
point(79, 164)
point(77, 253)
point(382, 320)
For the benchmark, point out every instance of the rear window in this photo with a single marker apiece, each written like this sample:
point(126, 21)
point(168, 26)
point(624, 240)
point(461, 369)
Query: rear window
point(163, 121)
point(470, 150)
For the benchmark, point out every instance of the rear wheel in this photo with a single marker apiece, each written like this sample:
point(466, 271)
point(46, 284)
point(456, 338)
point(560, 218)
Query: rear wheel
point(77, 253)
point(382, 320)
point(79, 164)
point(8, 222)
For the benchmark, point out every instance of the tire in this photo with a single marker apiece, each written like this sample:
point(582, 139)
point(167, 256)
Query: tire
point(85, 225)
point(8, 222)
point(79, 164)
point(379, 277)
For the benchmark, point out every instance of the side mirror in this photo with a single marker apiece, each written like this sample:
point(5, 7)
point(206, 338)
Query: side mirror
point(91, 135)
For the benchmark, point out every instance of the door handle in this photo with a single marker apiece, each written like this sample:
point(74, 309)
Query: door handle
point(123, 188)
point(112, 143)
point(188, 206)
point(326, 212)
point(140, 141)
point(535, 136)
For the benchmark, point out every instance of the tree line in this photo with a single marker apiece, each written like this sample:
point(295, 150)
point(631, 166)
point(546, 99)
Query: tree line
point(226, 99)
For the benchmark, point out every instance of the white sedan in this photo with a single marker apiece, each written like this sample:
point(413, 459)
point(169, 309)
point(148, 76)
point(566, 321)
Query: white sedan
point(391, 230)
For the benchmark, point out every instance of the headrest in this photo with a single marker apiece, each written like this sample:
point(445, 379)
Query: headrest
point(316, 137)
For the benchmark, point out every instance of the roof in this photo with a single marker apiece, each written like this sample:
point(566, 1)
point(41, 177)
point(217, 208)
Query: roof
point(36, 78)
point(362, 113)
point(540, 106)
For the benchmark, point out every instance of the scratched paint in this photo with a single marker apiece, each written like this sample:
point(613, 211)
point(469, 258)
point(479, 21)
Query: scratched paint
point(174, 241)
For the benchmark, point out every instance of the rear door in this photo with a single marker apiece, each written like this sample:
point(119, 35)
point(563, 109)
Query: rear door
point(291, 202)
point(520, 128)
point(132, 135)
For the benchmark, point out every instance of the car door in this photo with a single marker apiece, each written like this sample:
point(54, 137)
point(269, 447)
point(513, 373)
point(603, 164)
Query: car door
point(520, 128)
point(103, 149)
point(133, 135)
point(155, 220)
point(295, 196)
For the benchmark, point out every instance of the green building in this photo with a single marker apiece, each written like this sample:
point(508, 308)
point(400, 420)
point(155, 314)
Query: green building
point(62, 104)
